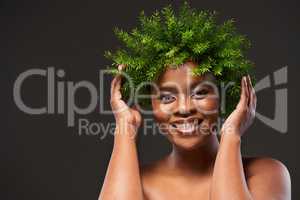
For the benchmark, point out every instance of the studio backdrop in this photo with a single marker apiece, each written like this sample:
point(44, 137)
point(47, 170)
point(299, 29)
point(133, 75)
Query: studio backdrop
point(52, 62)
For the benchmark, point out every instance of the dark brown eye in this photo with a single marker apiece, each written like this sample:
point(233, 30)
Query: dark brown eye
point(166, 98)
point(200, 94)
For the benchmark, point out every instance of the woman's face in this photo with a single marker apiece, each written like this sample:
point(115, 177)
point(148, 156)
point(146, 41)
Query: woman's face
point(185, 106)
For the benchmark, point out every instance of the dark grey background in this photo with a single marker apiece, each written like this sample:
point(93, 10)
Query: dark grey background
point(41, 158)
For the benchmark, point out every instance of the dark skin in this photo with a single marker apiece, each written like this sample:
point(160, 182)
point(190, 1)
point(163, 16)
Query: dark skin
point(199, 166)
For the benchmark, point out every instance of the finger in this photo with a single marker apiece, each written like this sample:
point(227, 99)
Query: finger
point(115, 87)
point(243, 96)
point(121, 67)
point(251, 93)
point(243, 91)
point(116, 82)
point(135, 107)
point(248, 91)
point(253, 96)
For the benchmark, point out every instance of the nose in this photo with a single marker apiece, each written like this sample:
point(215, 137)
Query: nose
point(185, 107)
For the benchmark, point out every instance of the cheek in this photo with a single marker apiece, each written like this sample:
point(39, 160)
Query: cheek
point(209, 105)
point(161, 112)
point(161, 116)
point(162, 119)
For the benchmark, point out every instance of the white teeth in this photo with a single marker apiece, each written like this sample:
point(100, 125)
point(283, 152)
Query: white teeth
point(186, 127)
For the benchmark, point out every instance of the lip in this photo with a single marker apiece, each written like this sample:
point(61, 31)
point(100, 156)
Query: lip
point(187, 126)
point(187, 120)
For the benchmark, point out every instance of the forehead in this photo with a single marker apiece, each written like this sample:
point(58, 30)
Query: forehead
point(182, 76)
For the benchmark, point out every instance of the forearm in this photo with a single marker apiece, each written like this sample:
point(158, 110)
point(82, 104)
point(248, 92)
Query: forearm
point(122, 180)
point(228, 182)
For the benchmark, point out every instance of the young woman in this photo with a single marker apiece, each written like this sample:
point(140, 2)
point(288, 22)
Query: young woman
point(199, 166)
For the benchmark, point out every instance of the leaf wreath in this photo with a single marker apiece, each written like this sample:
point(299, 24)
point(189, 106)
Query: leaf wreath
point(167, 39)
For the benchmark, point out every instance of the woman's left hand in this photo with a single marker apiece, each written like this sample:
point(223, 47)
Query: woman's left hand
point(243, 115)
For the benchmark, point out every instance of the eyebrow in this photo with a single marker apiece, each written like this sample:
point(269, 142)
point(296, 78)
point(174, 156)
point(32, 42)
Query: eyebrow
point(168, 88)
point(196, 84)
point(172, 88)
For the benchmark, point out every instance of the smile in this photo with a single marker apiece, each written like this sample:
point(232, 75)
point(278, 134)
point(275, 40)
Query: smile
point(187, 127)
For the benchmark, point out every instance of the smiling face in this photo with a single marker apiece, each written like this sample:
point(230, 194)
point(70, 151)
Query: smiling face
point(185, 106)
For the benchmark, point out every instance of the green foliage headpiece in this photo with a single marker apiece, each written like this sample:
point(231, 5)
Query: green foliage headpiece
point(167, 38)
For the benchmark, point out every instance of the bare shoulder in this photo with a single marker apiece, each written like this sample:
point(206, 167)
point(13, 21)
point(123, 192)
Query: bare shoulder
point(267, 176)
point(264, 165)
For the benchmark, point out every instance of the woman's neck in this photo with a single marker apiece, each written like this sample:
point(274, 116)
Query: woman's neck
point(199, 160)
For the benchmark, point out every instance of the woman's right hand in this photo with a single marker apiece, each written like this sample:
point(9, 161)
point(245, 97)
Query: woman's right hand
point(128, 119)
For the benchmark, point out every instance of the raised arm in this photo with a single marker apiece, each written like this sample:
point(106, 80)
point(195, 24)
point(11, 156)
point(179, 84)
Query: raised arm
point(122, 180)
point(269, 179)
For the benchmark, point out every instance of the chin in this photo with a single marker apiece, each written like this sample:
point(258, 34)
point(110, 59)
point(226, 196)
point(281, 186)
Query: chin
point(188, 143)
